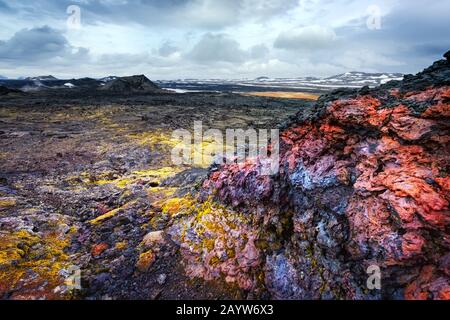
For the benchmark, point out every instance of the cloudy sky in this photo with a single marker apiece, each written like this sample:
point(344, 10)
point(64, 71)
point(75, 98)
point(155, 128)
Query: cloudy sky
point(172, 39)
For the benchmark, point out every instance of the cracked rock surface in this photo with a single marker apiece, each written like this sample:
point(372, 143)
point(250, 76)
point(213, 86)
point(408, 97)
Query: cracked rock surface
point(364, 181)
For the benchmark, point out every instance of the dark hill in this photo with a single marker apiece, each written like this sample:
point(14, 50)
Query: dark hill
point(131, 84)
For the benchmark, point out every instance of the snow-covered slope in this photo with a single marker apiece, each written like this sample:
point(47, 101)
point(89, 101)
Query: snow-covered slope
point(42, 78)
point(349, 80)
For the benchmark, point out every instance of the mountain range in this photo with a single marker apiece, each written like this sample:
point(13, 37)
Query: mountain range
point(308, 84)
point(42, 78)
point(142, 84)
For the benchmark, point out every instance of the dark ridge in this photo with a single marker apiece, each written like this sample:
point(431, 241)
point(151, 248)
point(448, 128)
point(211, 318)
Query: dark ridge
point(139, 83)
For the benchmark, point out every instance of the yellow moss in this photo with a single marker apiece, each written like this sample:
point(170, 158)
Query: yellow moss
point(214, 261)
point(105, 216)
point(77, 180)
point(123, 183)
point(212, 222)
point(110, 214)
point(121, 245)
point(151, 175)
point(22, 251)
point(166, 192)
point(205, 217)
point(146, 260)
point(177, 205)
point(231, 253)
point(154, 138)
point(7, 203)
point(103, 182)
point(209, 244)
point(9, 245)
point(201, 154)
point(161, 173)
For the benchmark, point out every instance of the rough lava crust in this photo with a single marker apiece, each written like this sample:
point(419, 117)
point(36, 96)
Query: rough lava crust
point(364, 181)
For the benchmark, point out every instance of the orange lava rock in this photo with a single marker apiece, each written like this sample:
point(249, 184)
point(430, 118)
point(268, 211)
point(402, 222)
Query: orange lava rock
point(98, 249)
point(427, 286)
point(145, 261)
point(364, 180)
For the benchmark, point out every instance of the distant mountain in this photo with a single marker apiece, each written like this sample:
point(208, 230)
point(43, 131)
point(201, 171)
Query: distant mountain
point(349, 79)
point(141, 84)
point(131, 84)
point(303, 84)
point(364, 78)
point(119, 85)
point(42, 78)
point(3, 78)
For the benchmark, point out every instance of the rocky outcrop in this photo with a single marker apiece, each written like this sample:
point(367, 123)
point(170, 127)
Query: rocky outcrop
point(131, 84)
point(364, 185)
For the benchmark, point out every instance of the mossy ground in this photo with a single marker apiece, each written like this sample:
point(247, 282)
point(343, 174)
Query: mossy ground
point(102, 165)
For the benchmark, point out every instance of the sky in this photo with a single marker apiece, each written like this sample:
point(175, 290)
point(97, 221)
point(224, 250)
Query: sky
point(221, 39)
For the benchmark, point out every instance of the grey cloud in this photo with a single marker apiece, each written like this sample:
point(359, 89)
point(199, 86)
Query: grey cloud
point(411, 36)
point(5, 7)
point(196, 14)
point(166, 49)
point(37, 44)
point(262, 10)
point(259, 51)
point(411, 33)
point(305, 38)
point(217, 48)
point(209, 14)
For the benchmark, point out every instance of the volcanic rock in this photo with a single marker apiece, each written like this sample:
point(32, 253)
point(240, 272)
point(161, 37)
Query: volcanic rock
point(363, 185)
point(152, 238)
point(98, 249)
point(447, 55)
point(7, 91)
point(145, 261)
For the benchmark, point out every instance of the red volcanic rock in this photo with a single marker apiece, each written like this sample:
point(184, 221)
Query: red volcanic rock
point(364, 180)
point(98, 249)
point(428, 285)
